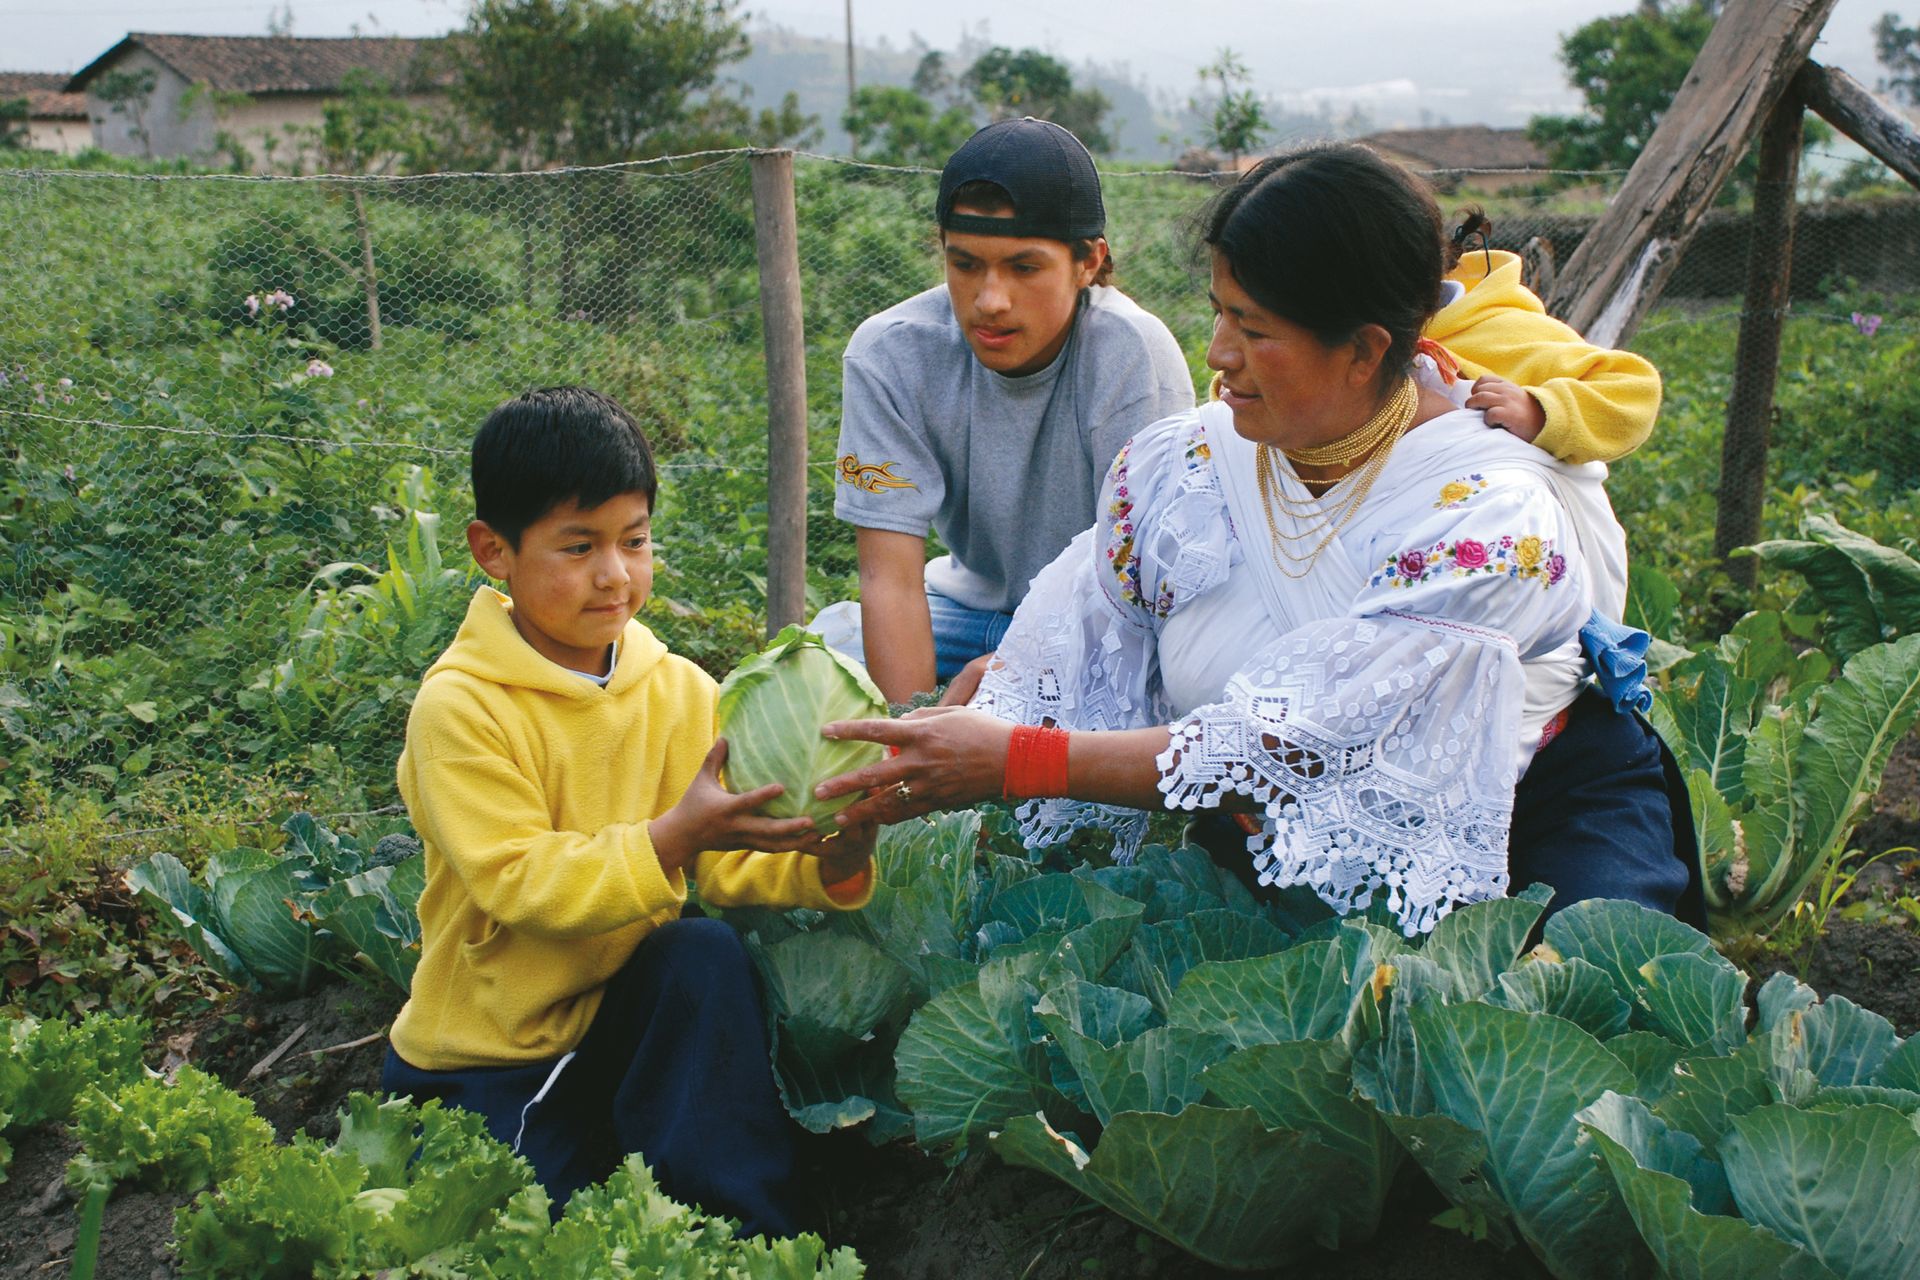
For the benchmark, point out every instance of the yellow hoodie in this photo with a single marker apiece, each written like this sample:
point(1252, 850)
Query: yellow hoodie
point(1600, 404)
point(531, 788)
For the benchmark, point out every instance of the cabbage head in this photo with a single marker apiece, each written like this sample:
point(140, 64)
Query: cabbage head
point(771, 709)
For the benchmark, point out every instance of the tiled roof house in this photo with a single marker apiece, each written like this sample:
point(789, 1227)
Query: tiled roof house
point(286, 80)
point(56, 119)
point(1467, 146)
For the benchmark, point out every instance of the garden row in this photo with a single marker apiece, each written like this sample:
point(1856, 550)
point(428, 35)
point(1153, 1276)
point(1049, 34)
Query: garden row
point(403, 1189)
point(1244, 1080)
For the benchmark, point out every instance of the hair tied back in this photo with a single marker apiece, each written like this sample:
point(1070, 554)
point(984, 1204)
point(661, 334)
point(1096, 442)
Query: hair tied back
point(1473, 222)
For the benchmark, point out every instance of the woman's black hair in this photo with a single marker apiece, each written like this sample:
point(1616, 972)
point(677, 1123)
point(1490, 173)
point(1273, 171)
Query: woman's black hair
point(553, 445)
point(1333, 238)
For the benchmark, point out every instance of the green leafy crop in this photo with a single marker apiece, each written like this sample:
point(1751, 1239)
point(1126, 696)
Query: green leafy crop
point(281, 923)
point(771, 710)
point(178, 1136)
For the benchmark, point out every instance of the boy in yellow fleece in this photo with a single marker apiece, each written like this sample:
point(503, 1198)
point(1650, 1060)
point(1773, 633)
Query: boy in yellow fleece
point(562, 771)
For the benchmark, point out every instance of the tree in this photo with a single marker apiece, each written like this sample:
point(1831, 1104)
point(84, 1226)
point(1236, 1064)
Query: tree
point(891, 125)
point(1627, 68)
point(603, 81)
point(1236, 118)
point(127, 93)
point(1027, 82)
point(1898, 49)
point(14, 114)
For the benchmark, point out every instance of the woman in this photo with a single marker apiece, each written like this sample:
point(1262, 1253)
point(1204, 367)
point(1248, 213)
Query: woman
point(1331, 599)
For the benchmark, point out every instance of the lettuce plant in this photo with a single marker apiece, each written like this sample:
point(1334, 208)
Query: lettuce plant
point(178, 1136)
point(44, 1067)
point(423, 1190)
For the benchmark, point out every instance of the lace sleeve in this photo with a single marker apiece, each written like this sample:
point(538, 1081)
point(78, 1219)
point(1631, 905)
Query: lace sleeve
point(1082, 652)
point(1377, 749)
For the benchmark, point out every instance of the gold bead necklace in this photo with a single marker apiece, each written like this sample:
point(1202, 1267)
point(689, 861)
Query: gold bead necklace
point(1354, 444)
point(1320, 520)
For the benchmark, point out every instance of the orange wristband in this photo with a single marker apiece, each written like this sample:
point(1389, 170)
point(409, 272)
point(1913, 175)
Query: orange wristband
point(1036, 763)
point(849, 888)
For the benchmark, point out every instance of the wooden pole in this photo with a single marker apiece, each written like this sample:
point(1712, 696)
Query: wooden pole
point(1756, 360)
point(849, 55)
point(1616, 274)
point(1844, 103)
point(777, 247)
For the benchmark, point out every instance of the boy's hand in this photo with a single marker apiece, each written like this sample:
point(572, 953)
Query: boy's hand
point(963, 686)
point(709, 816)
point(1511, 408)
point(844, 856)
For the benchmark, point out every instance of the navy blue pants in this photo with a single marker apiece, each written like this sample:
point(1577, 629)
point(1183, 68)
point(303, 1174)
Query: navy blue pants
point(1601, 813)
point(675, 1067)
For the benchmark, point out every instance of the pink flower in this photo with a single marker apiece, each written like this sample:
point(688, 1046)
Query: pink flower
point(253, 304)
point(1868, 325)
point(1412, 564)
point(1556, 568)
point(318, 368)
point(280, 300)
point(1468, 554)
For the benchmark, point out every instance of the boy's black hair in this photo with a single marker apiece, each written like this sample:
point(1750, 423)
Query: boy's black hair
point(546, 447)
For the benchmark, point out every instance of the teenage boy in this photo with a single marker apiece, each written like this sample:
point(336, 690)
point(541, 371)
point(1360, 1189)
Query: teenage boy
point(989, 408)
point(561, 769)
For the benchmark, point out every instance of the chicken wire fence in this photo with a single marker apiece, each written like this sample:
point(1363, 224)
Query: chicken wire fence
point(235, 412)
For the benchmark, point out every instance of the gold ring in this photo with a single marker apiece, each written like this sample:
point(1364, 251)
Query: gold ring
point(904, 791)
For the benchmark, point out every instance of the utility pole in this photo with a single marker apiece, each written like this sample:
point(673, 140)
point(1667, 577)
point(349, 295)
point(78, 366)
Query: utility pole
point(849, 55)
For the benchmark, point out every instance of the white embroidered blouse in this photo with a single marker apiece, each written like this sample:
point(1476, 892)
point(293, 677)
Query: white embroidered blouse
point(1378, 710)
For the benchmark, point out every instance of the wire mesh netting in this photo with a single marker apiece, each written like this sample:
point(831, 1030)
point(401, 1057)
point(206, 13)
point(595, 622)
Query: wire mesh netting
point(236, 413)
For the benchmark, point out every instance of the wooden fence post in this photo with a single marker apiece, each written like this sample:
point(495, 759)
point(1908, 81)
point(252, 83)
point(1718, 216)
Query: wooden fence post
point(777, 246)
point(1756, 360)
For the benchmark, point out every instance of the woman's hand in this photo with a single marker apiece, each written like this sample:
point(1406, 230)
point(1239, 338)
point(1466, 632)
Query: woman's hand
point(945, 758)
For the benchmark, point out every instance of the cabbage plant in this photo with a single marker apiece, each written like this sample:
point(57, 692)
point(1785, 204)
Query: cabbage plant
point(772, 707)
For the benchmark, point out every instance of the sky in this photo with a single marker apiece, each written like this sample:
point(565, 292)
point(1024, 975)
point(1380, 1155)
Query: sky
point(1403, 61)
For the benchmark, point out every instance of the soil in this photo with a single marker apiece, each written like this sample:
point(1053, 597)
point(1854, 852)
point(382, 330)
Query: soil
point(303, 1091)
point(1876, 966)
point(133, 1233)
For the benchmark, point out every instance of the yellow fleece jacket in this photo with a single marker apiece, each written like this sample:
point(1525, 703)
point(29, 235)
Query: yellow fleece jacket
point(531, 788)
point(1600, 404)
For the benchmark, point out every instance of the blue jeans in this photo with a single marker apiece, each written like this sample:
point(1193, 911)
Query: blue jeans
point(960, 634)
point(675, 1066)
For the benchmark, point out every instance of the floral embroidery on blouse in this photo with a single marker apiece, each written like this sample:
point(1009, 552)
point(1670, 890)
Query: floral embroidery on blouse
point(1122, 558)
point(1454, 493)
point(1125, 565)
point(1529, 558)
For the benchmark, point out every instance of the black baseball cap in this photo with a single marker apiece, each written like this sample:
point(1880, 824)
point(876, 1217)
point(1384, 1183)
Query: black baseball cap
point(1044, 170)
